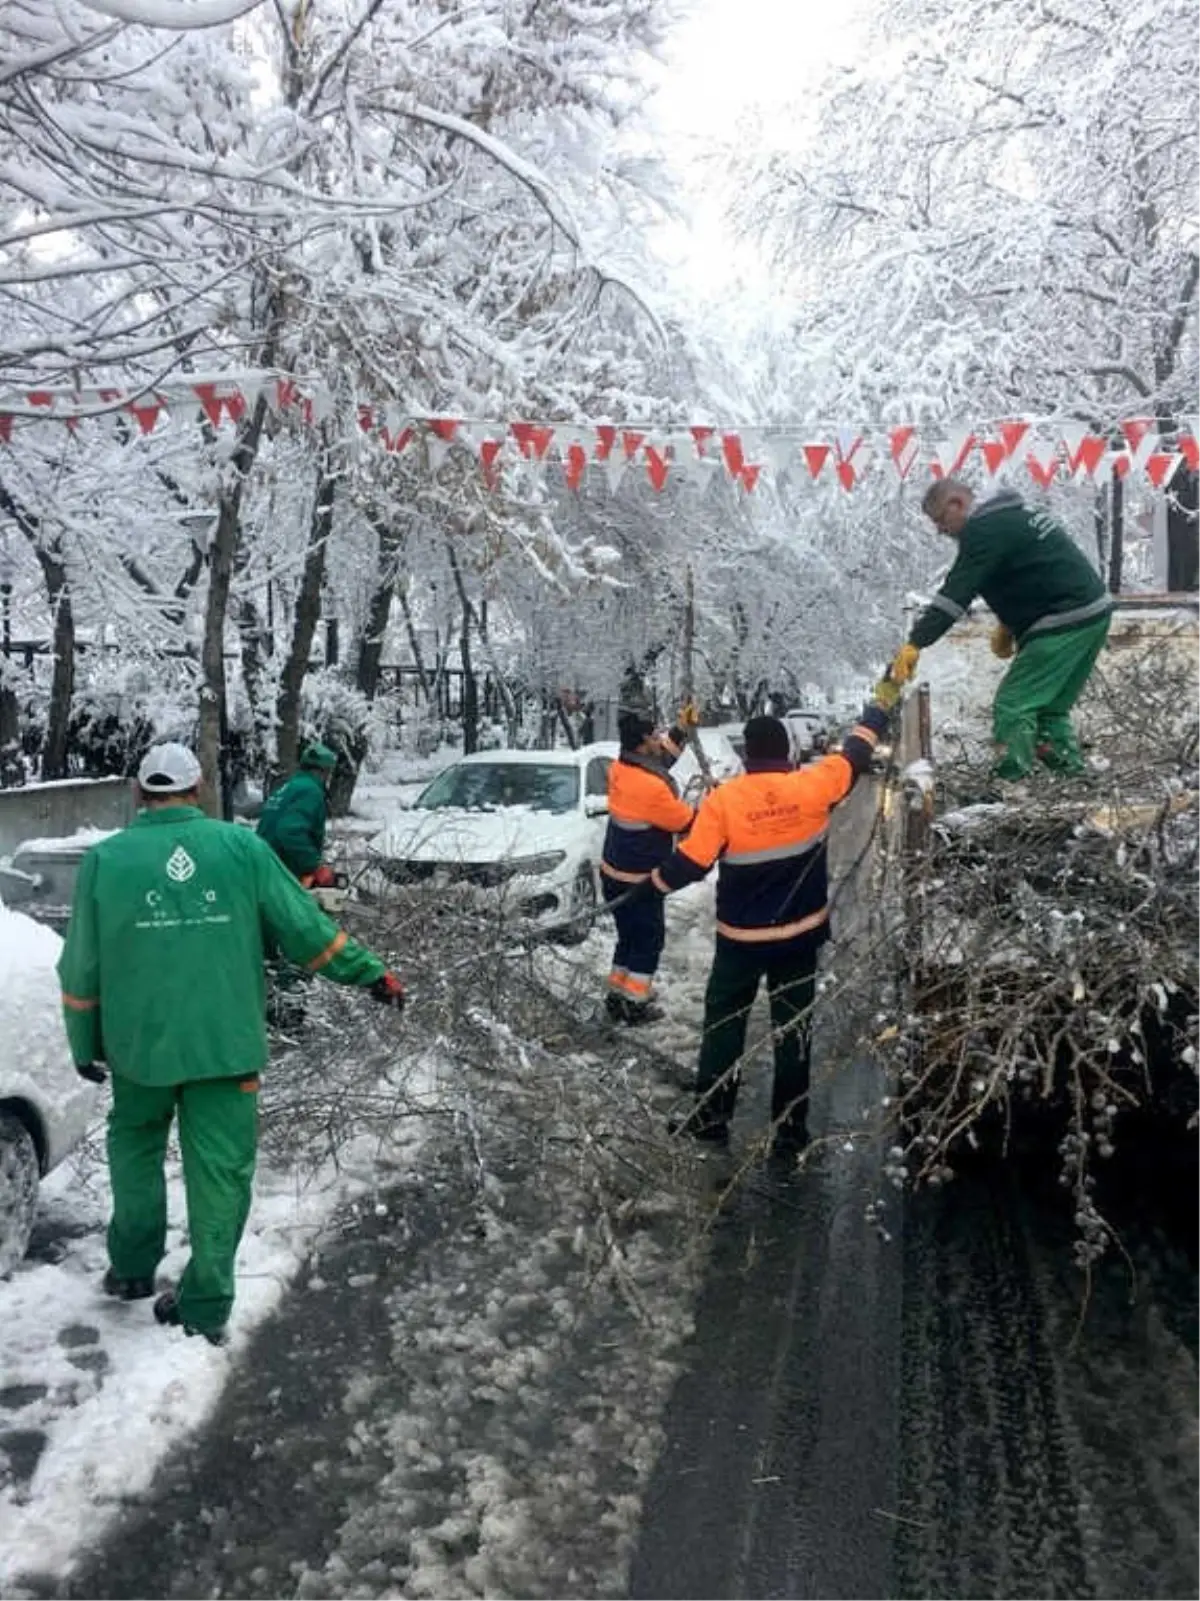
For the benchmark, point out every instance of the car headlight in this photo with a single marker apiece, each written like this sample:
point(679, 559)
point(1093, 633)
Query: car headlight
point(532, 866)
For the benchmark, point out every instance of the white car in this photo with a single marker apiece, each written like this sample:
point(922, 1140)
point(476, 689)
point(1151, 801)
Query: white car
point(45, 1107)
point(519, 830)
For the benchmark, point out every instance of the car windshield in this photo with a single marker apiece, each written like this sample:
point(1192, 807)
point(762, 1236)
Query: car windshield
point(492, 786)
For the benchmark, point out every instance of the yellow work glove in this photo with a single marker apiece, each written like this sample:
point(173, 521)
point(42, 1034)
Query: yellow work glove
point(886, 693)
point(904, 663)
point(689, 715)
point(1003, 644)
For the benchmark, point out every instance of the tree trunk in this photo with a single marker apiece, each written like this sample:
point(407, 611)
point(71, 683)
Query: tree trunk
point(470, 689)
point(212, 734)
point(414, 644)
point(304, 622)
point(12, 771)
point(1183, 546)
point(1116, 542)
point(62, 684)
point(370, 650)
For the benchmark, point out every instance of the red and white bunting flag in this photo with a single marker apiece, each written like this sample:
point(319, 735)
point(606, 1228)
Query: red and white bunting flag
point(658, 465)
point(487, 441)
point(749, 476)
point(852, 455)
point(533, 439)
point(731, 449)
point(441, 433)
point(6, 424)
point(147, 409)
point(606, 440)
point(1011, 435)
point(815, 457)
point(777, 453)
point(220, 400)
point(701, 435)
point(1085, 449)
point(631, 443)
point(575, 461)
point(1162, 466)
point(1189, 444)
point(283, 395)
point(904, 447)
point(366, 417)
point(994, 454)
point(317, 405)
point(950, 456)
point(1042, 461)
point(616, 465)
point(691, 466)
point(1135, 430)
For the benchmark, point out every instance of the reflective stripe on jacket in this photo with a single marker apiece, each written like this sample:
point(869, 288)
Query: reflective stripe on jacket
point(768, 828)
point(644, 815)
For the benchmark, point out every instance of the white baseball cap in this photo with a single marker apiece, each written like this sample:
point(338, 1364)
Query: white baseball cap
point(168, 770)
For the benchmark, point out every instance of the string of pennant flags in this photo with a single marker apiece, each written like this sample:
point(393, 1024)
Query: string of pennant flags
point(1048, 450)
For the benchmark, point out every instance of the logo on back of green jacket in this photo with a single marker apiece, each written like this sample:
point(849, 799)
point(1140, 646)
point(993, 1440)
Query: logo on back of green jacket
point(180, 866)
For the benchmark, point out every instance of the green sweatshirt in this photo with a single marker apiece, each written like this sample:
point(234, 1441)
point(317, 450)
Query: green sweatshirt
point(1027, 568)
point(162, 968)
point(293, 822)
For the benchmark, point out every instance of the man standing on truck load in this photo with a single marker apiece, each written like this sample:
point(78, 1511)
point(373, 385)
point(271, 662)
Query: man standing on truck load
point(1053, 611)
point(163, 981)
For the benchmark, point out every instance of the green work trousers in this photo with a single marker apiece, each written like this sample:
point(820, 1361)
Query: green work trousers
point(1031, 712)
point(733, 983)
point(218, 1135)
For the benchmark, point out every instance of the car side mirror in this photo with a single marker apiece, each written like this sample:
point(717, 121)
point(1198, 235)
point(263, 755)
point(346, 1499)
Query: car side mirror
point(595, 806)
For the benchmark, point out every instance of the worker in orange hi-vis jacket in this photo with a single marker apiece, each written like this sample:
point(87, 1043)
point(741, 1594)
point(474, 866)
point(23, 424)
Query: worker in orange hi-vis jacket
point(645, 814)
point(768, 829)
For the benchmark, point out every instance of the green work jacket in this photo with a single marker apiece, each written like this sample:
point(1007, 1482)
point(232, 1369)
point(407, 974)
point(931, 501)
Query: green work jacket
point(293, 822)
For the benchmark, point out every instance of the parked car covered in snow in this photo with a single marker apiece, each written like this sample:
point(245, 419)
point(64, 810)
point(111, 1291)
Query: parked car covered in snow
point(515, 830)
point(45, 1107)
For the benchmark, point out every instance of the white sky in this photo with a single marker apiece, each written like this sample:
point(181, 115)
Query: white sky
point(732, 68)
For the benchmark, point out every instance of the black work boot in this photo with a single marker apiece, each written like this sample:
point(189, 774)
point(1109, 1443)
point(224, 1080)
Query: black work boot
point(643, 1012)
point(127, 1289)
point(789, 1139)
point(166, 1311)
point(616, 1007)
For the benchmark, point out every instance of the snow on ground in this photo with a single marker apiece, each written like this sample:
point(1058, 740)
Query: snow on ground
point(94, 1392)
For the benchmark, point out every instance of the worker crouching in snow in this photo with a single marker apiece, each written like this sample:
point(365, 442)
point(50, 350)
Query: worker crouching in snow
point(1054, 614)
point(163, 981)
point(645, 813)
point(768, 828)
point(293, 818)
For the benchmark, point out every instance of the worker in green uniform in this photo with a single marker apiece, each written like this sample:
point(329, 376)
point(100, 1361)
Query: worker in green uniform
point(163, 985)
point(1053, 611)
point(293, 818)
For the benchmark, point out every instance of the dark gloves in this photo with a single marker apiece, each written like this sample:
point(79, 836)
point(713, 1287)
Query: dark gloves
point(389, 991)
point(94, 1072)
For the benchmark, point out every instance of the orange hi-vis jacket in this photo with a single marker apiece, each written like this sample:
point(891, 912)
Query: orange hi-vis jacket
point(768, 828)
point(645, 813)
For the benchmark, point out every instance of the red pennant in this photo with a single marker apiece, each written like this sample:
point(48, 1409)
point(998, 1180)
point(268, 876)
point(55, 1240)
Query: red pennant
point(658, 465)
point(366, 419)
point(146, 413)
point(1160, 468)
point(1012, 434)
point(398, 441)
point(1121, 465)
point(994, 453)
point(846, 475)
point(533, 439)
point(748, 476)
point(214, 405)
point(1042, 472)
point(576, 465)
point(40, 397)
point(701, 436)
point(107, 396)
point(1190, 451)
point(898, 441)
point(1135, 430)
point(287, 392)
point(735, 461)
point(631, 443)
point(6, 423)
point(1089, 455)
point(444, 427)
point(489, 451)
point(606, 439)
point(815, 457)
